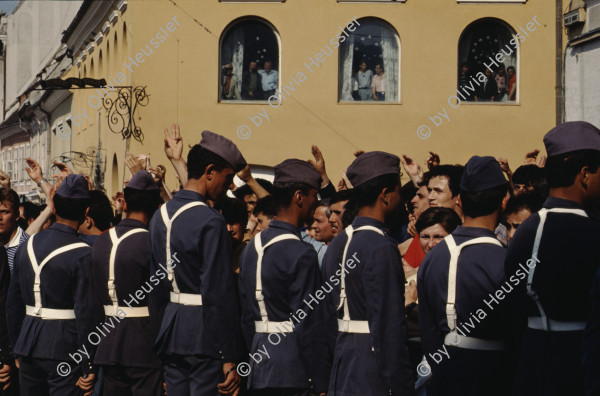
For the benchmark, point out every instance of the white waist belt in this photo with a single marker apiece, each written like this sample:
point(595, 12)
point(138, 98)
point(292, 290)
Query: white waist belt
point(353, 326)
point(186, 299)
point(459, 341)
point(274, 327)
point(49, 313)
point(135, 312)
point(535, 322)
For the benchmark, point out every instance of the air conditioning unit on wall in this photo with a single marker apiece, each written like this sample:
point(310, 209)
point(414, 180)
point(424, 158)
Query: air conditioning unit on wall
point(574, 17)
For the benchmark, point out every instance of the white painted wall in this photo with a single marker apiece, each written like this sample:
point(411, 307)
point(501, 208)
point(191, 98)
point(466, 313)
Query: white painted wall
point(582, 83)
point(34, 32)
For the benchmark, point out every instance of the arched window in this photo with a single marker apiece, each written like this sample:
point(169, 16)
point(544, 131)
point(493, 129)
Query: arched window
point(369, 64)
point(487, 62)
point(249, 61)
point(92, 74)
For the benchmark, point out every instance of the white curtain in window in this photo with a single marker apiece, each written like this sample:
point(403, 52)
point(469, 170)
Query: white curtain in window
point(346, 55)
point(238, 61)
point(389, 48)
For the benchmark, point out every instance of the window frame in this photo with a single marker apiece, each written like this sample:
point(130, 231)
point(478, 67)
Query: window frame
point(512, 31)
point(224, 33)
point(398, 77)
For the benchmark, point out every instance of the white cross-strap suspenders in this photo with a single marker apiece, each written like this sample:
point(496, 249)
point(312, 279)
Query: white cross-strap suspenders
point(113, 310)
point(37, 310)
point(176, 296)
point(543, 322)
point(347, 325)
point(265, 325)
point(453, 338)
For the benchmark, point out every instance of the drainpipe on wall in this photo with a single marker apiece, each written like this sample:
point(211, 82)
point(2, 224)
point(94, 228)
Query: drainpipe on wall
point(559, 105)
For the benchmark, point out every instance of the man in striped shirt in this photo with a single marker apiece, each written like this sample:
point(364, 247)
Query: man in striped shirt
point(11, 235)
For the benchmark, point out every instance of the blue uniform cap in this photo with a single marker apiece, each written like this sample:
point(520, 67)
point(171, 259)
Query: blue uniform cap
point(142, 181)
point(297, 171)
point(224, 148)
point(572, 136)
point(482, 173)
point(370, 165)
point(74, 186)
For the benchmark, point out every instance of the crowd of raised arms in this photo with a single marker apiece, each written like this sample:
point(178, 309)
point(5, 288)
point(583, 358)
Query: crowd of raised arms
point(465, 280)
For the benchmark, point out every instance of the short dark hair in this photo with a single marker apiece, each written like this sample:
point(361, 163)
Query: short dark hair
point(446, 217)
point(350, 212)
point(342, 195)
point(532, 175)
point(532, 201)
point(244, 190)
point(426, 178)
point(30, 210)
point(408, 191)
point(146, 202)
point(366, 194)
point(100, 210)
point(452, 172)
point(200, 158)
point(562, 169)
point(483, 203)
point(266, 206)
point(510, 67)
point(9, 195)
point(233, 210)
point(283, 193)
point(324, 202)
point(71, 208)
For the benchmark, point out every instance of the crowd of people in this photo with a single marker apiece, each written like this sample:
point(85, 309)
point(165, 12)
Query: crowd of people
point(367, 85)
point(466, 280)
point(497, 86)
point(254, 84)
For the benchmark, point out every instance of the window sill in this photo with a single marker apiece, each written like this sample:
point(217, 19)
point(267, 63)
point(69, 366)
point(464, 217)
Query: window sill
point(369, 103)
point(246, 102)
point(489, 103)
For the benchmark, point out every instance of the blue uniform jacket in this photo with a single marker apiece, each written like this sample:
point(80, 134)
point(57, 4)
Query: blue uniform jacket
point(64, 285)
point(292, 291)
point(481, 289)
point(569, 257)
point(130, 341)
point(375, 363)
point(202, 246)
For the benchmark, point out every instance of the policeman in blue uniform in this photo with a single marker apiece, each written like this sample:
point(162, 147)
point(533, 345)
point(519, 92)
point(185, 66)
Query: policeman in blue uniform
point(551, 306)
point(461, 284)
point(280, 288)
point(120, 283)
point(364, 268)
point(50, 310)
point(196, 304)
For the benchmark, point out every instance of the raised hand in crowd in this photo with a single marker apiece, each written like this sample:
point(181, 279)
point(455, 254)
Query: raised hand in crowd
point(4, 179)
point(174, 150)
point(358, 152)
point(433, 160)
point(319, 165)
point(135, 163)
point(410, 293)
point(63, 168)
point(246, 176)
point(158, 174)
point(412, 169)
point(531, 158)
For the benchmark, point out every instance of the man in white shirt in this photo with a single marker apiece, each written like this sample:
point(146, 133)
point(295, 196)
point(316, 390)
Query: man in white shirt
point(11, 235)
point(364, 78)
point(269, 80)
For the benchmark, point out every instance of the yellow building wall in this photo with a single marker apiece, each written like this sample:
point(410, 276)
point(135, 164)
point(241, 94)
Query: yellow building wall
point(182, 79)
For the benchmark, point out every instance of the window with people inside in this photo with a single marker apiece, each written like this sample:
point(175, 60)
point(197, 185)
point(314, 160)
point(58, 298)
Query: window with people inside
point(249, 62)
point(369, 63)
point(488, 62)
